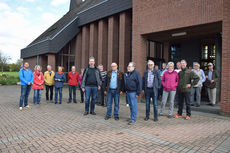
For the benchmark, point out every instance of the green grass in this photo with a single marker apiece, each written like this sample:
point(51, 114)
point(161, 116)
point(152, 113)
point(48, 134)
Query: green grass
point(9, 78)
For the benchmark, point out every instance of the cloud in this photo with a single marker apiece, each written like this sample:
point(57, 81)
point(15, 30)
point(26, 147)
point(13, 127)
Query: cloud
point(4, 7)
point(58, 2)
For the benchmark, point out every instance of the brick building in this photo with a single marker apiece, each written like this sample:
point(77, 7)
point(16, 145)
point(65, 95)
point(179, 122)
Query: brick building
point(133, 30)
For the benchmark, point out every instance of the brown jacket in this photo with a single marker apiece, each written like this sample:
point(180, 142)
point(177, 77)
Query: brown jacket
point(215, 77)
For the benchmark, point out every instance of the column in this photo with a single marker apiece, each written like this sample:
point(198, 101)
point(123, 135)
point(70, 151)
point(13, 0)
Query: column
point(93, 40)
point(85, 45)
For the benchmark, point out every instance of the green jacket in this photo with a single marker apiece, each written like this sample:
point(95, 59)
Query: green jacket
point(187, 77)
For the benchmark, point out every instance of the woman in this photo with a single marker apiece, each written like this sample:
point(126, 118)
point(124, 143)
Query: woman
point(169, 81)
point(38, 84)
point(79, 83)
point(59, 79)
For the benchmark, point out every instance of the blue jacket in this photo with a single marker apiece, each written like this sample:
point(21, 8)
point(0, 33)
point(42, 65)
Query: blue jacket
point(132, 82)
point(59, 84)
point(26, 76)
point(156, 81)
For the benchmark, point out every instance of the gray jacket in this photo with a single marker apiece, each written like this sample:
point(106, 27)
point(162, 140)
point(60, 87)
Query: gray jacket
point(98, 77)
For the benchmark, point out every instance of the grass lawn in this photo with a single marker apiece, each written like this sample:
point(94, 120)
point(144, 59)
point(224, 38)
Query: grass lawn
point(9, 78)
point(14, 74)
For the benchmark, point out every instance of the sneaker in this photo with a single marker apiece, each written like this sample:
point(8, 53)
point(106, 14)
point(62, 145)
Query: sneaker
point(146, 118)
point(128, 120)
point(178, 116)
point(131, 122)
point(107, 117)
point(155, 119)
point(127, 105)
point(20, 108)
point(27, 106)
point(188, 118)
point(169, 116)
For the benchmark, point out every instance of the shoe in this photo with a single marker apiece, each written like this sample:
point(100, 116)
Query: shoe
point(146, 118)
point(155, 119)
point(27, 106)
point(131, 122)
point(116, 118)
point(55, 103)
point(75, 102)
point(128, 120)
point(59, 103)
point(107, 117)
point(160, 114)
point(178, 116)
point(188, 118)
point(192, 104)
point(68, 102)
point(20, 108)
point(127, 105)
point(169, 116)
point(86, 113)
point(93, 113)
point(197, 105)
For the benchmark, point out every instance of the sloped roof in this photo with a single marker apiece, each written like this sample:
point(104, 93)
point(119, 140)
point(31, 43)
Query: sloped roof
point(67, 18)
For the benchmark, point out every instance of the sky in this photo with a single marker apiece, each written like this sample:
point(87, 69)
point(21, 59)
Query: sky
point(22, 21)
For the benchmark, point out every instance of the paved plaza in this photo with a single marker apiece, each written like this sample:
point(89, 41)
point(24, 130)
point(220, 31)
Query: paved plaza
point(63, 128)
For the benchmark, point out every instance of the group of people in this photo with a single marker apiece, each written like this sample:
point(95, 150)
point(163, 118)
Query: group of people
point(178, 85)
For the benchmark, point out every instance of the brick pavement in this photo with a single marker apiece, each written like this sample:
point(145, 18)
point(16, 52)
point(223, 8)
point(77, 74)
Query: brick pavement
point(63, 128)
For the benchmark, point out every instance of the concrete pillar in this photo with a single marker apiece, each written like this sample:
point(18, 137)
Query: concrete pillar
point(225, 77)
point(78, 53)
point(85, 45)
point(113, 40)
point(124, 40)
point(102, 42)
point(93, 40)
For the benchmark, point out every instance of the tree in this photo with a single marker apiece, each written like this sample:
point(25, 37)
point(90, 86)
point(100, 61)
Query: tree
point(3, 61)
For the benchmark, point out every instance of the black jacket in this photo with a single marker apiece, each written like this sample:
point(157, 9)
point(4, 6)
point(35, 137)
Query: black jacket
point(133, 82)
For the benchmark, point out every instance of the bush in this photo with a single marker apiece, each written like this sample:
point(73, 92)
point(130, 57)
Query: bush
point(6, 79)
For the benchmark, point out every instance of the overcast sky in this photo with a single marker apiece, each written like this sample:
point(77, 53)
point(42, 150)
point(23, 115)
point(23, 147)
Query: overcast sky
point(21, 21)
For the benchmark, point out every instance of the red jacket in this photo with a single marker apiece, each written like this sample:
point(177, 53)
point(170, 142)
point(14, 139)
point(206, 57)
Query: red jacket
point(170, 80)
point(73, 78)
point(38, 80)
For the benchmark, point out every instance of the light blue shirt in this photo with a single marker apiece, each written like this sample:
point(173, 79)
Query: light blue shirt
point(113, 80)
point(210, 75)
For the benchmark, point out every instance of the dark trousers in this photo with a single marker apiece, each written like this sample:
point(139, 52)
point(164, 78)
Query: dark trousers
point(82, 95)
point(72, 91)
point(49, 89)
point(148, 95)
point(58, 91)
point(90, 93)
point(182, 96)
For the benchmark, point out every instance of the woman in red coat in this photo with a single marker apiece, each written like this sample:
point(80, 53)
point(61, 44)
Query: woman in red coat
point(73, 82)
point(38, 84)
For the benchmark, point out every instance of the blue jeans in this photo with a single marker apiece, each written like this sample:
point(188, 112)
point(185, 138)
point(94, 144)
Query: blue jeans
point(25, 91)
point(37, 96)
point(82, 95)
point(72, 89)
point(113, 94)
point(58, 90)
point(150, 94)
point(132, 100)
point(90, 92)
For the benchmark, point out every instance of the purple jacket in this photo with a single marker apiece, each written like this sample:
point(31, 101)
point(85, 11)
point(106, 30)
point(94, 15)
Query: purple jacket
point(170, 80)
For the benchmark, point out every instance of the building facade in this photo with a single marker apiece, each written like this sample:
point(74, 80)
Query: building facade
point(132, 30)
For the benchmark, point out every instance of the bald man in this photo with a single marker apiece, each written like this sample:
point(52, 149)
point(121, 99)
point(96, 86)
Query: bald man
point(114, 86)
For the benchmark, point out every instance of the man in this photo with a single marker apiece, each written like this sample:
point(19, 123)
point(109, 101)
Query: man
point(151, 82)
point(164, 68)
point(178, 65)
point(114, 86)
point(132, 80)
point(100, 96)
point(26, 77)
point(49, 82)
point(197, 88)
point(187, 79)
point(73, 82)
point(91, 83)
point(212, 78)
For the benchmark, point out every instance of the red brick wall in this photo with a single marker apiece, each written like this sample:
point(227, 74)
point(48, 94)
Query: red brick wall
point(225, 84)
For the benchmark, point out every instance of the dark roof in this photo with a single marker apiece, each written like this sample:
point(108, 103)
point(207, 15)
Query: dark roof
point(67, 18)
point(66, 28)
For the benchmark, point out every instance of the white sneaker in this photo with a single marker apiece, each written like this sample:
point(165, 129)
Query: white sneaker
point(127, 105)
point(20, 108)
point(28, 106)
